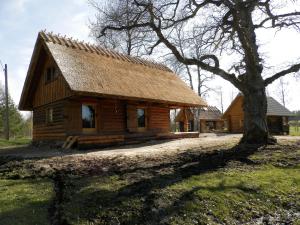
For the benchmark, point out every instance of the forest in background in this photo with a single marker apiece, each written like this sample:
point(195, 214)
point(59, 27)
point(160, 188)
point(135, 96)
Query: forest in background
point(19, 126)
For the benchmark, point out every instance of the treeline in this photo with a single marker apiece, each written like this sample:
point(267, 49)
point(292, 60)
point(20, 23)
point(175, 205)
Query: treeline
point(18, 125)
point(296, 113)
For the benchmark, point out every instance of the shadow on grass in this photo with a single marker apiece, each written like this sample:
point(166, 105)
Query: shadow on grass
point(45, 151)
point(29, 214)
point(25, 201)
point(144, 189)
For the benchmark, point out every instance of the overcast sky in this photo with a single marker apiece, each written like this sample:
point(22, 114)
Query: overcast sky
point(21, 20)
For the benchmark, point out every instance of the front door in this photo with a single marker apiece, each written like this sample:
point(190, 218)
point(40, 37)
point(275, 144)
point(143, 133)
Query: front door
point(181, 126)
point(275, 124)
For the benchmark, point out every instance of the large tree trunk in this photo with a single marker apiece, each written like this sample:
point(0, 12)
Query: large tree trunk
point(255, 118)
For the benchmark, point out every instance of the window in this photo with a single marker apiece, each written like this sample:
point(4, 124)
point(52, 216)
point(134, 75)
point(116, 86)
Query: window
point(49, 115)
point(88, 117)
point(50, 74)
point(141, 118)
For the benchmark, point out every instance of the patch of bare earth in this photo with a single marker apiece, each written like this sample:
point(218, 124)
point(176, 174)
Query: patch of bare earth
point(44, 162)
point(145, 166)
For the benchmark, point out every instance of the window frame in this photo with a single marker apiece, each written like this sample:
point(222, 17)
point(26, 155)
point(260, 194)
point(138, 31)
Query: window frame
point(141, 129)
point(53, 74)
point(49, 115)
point(94, 129)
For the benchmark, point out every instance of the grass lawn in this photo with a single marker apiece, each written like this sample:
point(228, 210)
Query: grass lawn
point(294, 131)
point(14, 142)
point(228, 196)
point(263, 188)
point(235, 194)
point(25, 201)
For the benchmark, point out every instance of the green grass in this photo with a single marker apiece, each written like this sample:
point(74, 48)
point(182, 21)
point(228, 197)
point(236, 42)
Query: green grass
point(294, 131)
point(14, 142)
point(232, 195)
point(25, 201)
point(184, 194)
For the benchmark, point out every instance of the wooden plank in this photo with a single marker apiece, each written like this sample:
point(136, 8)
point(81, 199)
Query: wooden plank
point(67, 141)
point(72, 141)
point(49, 92)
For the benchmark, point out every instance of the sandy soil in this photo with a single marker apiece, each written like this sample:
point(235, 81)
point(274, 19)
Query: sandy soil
point(150, 148)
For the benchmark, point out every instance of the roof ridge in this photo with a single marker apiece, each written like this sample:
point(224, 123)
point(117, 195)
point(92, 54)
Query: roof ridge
point(92, 48)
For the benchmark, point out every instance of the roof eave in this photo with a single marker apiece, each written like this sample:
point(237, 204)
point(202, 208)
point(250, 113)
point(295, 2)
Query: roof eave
point(24, 95)
point(171, 103)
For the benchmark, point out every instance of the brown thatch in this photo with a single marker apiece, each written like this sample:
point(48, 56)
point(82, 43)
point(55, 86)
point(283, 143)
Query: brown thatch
point(91, 70)
point(187, 115)
point(210, 113)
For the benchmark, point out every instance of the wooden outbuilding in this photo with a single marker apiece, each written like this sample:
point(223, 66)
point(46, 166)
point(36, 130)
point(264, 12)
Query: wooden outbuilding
point(277, 116)
point(87, 95)
point(185, 120)
point(209, 119)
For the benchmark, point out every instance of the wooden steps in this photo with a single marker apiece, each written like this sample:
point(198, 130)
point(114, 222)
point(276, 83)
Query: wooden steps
point(69, 142)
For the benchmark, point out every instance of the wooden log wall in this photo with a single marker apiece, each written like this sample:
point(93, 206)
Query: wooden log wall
point(112, 116)
point(159, 119)
point(73, 122)
point(116, 116)
point(52, 91)
point(235, 117)
point(42, 130)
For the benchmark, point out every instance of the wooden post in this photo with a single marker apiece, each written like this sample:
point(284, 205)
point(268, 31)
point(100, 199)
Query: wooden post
point(186, 121)
point(6, 105)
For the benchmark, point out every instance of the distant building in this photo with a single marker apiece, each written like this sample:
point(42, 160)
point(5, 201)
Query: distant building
point(277, 116)
point(210, 119)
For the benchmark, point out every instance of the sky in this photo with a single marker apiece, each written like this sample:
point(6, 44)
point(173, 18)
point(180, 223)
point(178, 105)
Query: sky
point(21, 20)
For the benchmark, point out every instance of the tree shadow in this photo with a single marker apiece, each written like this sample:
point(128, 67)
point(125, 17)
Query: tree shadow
point(31, 213)
point(145, 188)
point(45, 152)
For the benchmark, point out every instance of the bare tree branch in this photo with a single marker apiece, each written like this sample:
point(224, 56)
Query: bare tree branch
point(293, 69)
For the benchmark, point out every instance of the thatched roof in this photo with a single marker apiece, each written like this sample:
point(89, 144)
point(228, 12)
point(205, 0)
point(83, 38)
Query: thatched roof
point(210, 113)
point(92, 70)
point(184, 114)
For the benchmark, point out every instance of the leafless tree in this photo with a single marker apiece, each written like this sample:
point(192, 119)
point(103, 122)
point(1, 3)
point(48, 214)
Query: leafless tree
point(130, 41)
point(223, 27)
point(188, 72)
point(219, 92)
point(282, 90)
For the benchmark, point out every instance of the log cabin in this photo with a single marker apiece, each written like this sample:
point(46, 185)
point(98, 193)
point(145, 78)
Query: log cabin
point(185, 120)
point(85, 95)
point(277, 116)
point(210, 120)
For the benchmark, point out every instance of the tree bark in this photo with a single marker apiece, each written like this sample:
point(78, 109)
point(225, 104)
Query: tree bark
point(255, 118)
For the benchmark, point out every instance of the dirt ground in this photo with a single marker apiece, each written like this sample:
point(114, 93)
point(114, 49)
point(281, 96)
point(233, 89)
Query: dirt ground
point(46, 161)
point(150, 148)
point(134, 182)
